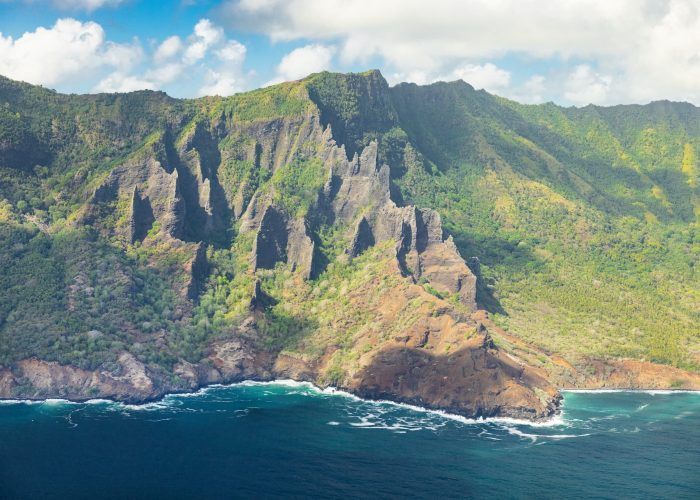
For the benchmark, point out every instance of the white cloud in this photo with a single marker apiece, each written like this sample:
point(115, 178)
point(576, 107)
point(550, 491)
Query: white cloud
point(585, 86)
point(206, 58)
point(209, 32)
point(195, 51)
point(168, 49)
point(667, 63)
point(205, 35)
point(229, 77)
point(233, 52)
point(483, 76)
point(641, 49)
point(303, 61)
point(119, 82)
point(413, 32)
point(173, 58)
point(414, 76)
point(122, 56)
point(73, 53)
point(534, 89)
point(165, 74)
point(221, 83)
point(66, 51)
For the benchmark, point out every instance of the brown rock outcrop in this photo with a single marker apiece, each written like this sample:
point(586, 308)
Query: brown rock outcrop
point(37, 379)
point(360, 190)
point(477, 380)
point(282, 240)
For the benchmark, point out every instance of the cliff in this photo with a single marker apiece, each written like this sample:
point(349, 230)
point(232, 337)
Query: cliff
point(313, 230)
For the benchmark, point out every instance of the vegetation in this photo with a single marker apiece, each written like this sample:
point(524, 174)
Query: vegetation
point(295, 185)
point(581, 218)
point(586, 221)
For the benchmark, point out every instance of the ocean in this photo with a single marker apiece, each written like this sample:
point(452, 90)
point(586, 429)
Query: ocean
point(291, 440)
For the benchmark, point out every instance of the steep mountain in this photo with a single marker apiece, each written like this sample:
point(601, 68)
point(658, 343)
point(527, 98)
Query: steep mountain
point(316, 230)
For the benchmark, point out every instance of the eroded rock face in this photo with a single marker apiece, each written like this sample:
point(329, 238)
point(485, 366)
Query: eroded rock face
point(477, 380)
point(300, 249)
point(141, 218)
point(447, 271)
point(198, 270)
point(279, 239)
point(271, 240)
point(627, 374)
point(178, 187)
point(153, 194)
point(358, 184)
point(362, 238)
point(437, 359)
point(360, 190)
point(358, 193)
point(37, 379)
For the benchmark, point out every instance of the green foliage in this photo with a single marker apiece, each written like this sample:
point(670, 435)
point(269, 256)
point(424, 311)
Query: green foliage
point(155, 229)
point(335, 374)
point(433, 291)
point(356, 106)
point(296, 185)
point(562, 207)
point(276, 101)
point(71, 298)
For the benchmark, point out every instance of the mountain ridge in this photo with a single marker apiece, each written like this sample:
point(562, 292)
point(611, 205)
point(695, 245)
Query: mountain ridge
point(232, 226)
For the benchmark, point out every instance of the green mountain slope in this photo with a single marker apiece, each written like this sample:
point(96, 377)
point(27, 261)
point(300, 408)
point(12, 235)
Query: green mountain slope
point(302, 230)
point(585, 220)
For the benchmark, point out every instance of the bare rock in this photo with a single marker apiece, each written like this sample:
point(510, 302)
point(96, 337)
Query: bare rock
point(141, 218)
point(447, 272)
point(300, 249)
point(38, 379)
point(271, 240)
point(198, 269)
point(362, 238)
point(280, 240)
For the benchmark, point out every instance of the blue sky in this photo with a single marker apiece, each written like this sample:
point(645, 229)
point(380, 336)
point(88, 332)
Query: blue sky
point(572, 52)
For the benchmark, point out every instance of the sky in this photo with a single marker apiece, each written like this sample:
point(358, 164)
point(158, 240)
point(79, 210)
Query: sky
point(571, 52)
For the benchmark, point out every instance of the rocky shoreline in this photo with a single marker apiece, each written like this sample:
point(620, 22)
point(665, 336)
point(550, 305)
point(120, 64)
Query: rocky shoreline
point(138, 388)
point(410, 403)
point(153, 391)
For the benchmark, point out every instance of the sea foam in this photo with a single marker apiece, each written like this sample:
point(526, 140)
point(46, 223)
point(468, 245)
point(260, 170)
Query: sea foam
point(169, 400)
point(332, 391)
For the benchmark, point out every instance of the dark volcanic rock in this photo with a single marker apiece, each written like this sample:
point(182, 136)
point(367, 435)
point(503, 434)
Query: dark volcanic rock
point(271, 240)
point(301, 249)
point(141, 218)
point(361, 183)
point(362, 238)
point(280, 240)
point(199, 270)
point(153, 193)
point(479, 381)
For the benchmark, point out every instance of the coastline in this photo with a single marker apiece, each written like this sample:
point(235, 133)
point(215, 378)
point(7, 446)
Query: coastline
point(554, 420)
point(156, 403)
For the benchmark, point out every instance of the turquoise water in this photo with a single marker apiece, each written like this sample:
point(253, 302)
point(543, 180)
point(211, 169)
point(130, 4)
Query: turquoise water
point(291, 440)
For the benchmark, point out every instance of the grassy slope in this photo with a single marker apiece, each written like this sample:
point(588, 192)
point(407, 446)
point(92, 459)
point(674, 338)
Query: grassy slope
point(583, 218)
